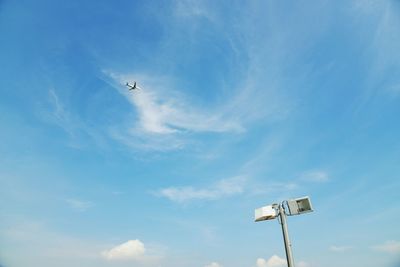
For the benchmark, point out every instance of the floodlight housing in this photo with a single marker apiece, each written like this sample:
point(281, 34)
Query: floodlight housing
point(287, 207)
point(299, 206)
point(266, 213)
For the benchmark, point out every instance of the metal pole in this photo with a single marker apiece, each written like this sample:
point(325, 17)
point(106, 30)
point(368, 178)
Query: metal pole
point(288, 245)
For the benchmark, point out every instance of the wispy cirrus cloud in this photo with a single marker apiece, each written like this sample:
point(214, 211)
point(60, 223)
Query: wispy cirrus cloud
point(79, 205)
point(273, 187)
point(318, 176)
point(164, 118)
point(167, 112)
point(222, 188)
point(383, 39)
point(192, 9)
point(59, 113)
point(335, 248)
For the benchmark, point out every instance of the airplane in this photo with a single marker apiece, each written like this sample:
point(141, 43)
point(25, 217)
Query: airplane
point(132, 87)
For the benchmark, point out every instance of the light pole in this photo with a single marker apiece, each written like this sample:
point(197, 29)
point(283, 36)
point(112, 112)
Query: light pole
point(286, 239)
point(295, 207)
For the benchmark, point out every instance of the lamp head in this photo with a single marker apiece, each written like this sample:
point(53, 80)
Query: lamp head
point(269, 212)
point(299, 205)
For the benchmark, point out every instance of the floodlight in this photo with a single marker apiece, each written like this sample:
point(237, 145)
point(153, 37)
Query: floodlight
point(266, 213)
point(299, 206)
point(288, 207)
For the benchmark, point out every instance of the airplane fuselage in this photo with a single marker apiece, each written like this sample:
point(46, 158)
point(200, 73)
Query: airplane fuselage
point(131, 87)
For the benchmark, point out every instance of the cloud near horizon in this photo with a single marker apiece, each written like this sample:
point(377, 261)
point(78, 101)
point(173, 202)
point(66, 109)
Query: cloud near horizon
point(214, 264)
point(273, 261)
point(276, 261)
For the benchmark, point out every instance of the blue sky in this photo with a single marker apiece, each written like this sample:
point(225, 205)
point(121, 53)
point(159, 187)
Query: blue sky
point(241, 105)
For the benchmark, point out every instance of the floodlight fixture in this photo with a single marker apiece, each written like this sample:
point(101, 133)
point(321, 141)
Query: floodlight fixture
point(299, 205)
point(295, 206)
point(269, 212)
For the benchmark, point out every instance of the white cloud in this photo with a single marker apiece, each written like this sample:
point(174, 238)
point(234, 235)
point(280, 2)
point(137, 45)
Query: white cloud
point(390, 246)
point(274, 261)
point(213, 264)
point(130, 250)
point(315, 176)
point(79, 205)
point(340, 248)
point(223, 188)
point(164, 119)
point(168, 113)
point(261, 262)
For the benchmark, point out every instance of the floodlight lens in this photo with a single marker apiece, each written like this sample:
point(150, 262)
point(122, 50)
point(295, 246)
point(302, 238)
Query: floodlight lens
point(299, 206)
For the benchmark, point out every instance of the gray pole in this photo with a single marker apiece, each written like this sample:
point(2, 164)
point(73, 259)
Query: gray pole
point(288, 245)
